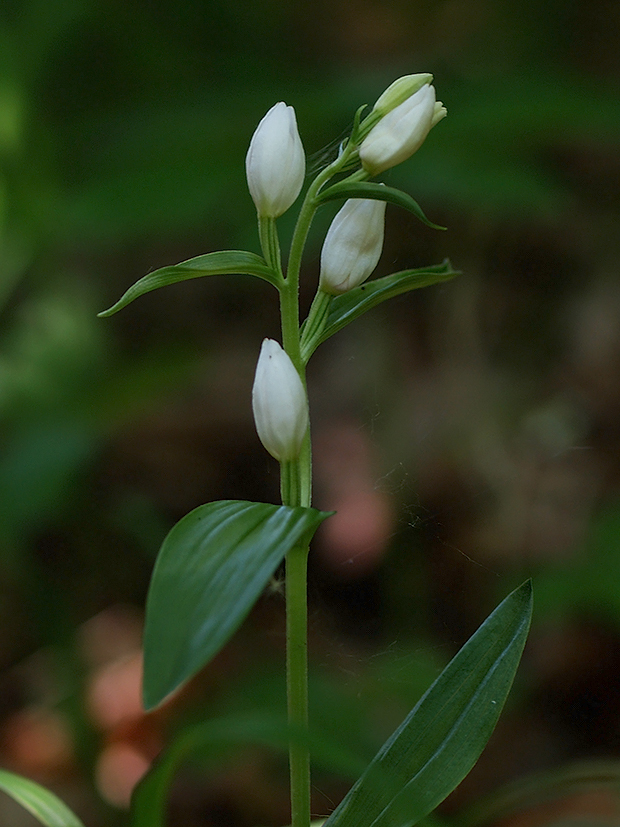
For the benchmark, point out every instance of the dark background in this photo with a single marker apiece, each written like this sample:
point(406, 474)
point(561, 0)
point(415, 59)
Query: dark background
point(468, 435)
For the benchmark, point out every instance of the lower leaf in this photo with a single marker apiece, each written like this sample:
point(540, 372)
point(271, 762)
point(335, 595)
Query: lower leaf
point(43, 804)
point(211, 569)
point(209, 740)
point(441, 739)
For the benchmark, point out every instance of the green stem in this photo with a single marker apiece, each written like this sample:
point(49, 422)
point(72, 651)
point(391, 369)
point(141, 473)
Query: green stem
point(314, 325)
point(296, 489)
point(297, 683)
point(308, 209)
point(289, 483)
point(270, 245)
point(289, 310)
point(358, 175)
point(295, 485)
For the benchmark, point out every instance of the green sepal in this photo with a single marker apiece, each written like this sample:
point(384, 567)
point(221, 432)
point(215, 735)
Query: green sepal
point(43, 804)
point(442, 737)
point(211, 569)
point(369, 189)
point(350, 305)
point(223, 262)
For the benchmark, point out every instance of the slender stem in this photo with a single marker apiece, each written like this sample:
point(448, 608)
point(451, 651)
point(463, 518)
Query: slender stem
point(289, 310)
point(290, 483)
point(305, 473)
point(296, 489)
point(295, 485)
point(297, 683)
point(359, 175)
point(308, 209)
point(268, 235)
point(304, 220)
point(314, 324)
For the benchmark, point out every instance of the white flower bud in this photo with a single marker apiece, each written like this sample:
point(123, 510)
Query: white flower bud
point(275, 164)
point(353, 245)
point(398, 92)
point(401, 132)
point(279, 403)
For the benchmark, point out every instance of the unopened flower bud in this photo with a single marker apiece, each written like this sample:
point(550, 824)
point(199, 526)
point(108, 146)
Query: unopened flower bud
point(279, 403)
point(399, 91)
point(401, 132)
point(275, 164)
point(353, 245)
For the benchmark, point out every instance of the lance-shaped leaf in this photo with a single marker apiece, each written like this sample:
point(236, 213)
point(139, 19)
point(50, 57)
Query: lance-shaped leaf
point(368, 189)
point(223, 262)
point(43, 804)
point(524, 796)
point(346, 308)
point(208, 740)
point(148, 802)
point(211, 569)
point(442, 737)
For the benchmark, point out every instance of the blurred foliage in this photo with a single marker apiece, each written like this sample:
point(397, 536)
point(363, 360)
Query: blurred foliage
point(488, 437)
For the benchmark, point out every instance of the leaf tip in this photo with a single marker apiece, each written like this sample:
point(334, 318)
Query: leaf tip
point(151, 700)
point(449, 268)
point(104, 314)
point(525, 593)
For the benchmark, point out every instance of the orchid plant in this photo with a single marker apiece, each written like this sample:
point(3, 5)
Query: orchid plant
point(215, 562)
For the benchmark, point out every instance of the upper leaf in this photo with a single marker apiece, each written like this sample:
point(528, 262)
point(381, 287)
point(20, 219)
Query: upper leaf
point(368, 189)
point(442, 737)
point(347, 307)
point(223, 262)
point(211, 569)
point(43, 804)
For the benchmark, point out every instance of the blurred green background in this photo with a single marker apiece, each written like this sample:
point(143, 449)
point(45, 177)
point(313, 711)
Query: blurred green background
point(468, 434)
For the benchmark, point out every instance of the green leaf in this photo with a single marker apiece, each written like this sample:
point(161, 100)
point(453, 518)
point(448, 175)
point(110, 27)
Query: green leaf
point(379, 192)
point(209, 739)
point(211, 569)
point(442, 737)
point(346, 308)
point(42, 803)
point(223, 262)
point(148, 803)
point(539, 789)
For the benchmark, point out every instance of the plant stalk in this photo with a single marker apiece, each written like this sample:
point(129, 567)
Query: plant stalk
point(296, 489)
point(297, 683)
